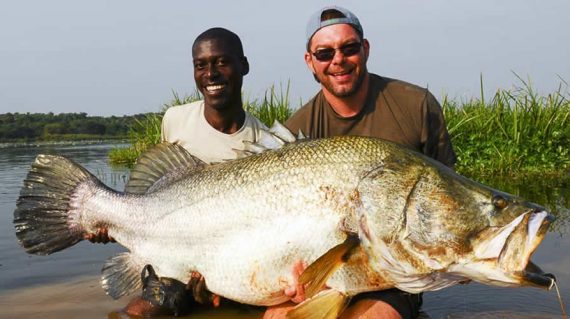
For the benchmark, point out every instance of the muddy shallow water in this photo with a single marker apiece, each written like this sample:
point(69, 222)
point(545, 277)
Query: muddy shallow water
point(65, 285)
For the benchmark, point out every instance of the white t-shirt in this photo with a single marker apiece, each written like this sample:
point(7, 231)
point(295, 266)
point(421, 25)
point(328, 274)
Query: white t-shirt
point(187, 126)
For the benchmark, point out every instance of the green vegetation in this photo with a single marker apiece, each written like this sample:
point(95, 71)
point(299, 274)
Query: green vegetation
point(273, 106)
point(517, 133)
point(32, 127)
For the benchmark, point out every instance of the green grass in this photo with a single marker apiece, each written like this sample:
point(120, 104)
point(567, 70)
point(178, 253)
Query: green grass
point(516, 133)
point(273, 107)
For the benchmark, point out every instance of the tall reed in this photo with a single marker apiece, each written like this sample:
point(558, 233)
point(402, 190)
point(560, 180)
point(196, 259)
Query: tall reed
point(273, 107)
point(517, 133)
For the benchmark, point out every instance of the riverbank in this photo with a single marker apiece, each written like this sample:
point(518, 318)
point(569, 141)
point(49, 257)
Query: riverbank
point(31, 127)
point(118, 142)
point(82, 298)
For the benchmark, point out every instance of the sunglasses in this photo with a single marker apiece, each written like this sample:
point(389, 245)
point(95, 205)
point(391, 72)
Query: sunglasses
point(327, 54)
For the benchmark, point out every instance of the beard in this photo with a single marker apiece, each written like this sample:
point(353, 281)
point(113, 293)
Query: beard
point(343, 90)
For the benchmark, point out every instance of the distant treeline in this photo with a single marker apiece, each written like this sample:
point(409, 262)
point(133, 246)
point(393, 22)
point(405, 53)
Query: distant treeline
point(30, 127)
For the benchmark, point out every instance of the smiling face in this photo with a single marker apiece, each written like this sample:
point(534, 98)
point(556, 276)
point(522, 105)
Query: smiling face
point(219, 67)
point(342, 75)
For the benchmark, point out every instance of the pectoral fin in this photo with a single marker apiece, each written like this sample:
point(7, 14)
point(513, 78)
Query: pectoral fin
point(317, 274)
point(328, 304)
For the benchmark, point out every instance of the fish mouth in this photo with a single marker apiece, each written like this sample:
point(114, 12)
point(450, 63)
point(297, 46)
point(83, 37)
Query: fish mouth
point(521, 244)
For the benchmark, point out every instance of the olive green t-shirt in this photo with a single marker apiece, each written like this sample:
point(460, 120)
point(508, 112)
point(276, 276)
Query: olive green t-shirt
point(394, 110)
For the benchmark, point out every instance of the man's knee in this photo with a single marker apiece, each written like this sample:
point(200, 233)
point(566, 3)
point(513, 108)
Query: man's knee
point(370, 309)
point(405, 304)
point(279, 311)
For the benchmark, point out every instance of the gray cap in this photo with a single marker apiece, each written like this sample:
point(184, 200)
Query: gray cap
point(315, 23)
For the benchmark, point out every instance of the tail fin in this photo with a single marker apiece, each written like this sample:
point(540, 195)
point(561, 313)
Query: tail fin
point(44, 218)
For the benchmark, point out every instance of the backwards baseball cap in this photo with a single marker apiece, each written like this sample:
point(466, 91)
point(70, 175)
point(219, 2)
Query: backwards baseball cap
point(315, 22)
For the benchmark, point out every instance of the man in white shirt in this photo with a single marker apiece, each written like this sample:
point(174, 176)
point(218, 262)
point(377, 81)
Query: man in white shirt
point(189, 126)
point(211, 129)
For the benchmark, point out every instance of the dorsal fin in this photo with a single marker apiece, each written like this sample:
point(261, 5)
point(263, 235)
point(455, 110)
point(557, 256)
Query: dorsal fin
point(160, 165)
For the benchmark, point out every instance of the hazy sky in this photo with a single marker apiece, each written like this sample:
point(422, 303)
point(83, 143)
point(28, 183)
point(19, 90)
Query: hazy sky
point(124, 57)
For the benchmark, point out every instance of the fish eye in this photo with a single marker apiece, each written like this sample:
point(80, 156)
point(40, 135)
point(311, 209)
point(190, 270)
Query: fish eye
point(499, 202)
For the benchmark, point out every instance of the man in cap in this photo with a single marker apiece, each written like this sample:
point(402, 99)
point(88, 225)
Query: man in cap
point(353, 101)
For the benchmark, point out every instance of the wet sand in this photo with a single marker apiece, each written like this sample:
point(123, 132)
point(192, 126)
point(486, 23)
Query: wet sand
point(84, 298)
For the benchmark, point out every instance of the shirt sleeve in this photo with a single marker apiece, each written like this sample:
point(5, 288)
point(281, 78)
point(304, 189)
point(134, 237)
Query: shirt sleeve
point(438, 143)
point(163, 136)
point(299, 121)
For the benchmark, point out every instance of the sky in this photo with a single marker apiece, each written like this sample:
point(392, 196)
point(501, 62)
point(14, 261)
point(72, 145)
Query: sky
point(126, 57)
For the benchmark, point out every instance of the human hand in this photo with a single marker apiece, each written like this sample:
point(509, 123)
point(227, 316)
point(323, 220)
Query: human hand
point(138, 307)
point(278, 311)
point(202, 295)
point(296, 291)
point(100, 237)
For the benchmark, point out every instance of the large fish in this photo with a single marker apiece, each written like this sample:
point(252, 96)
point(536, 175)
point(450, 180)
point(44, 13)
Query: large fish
point(363, 213)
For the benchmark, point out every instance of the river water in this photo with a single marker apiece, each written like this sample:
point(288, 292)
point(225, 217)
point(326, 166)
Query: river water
point(64, 285)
